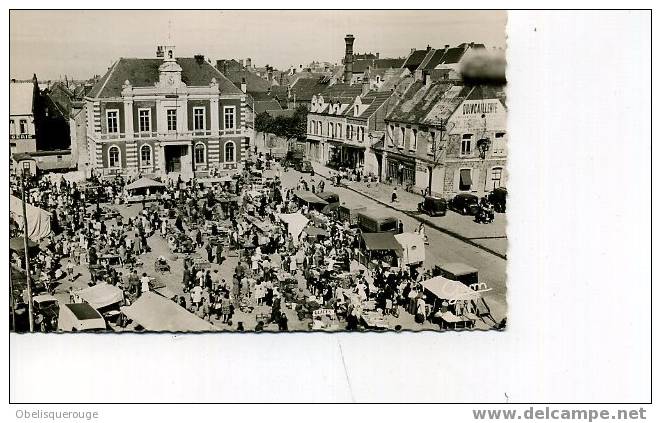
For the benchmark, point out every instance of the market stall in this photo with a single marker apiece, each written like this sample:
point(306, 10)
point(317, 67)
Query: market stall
point(413, 248)
point(144, 189)
point(295, 223)
point(453, 304)
point(379, 246)
point(158, 314)
point(311, 200)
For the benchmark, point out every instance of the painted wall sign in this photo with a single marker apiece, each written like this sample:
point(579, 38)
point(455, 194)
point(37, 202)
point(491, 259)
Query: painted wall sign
point(479, 108)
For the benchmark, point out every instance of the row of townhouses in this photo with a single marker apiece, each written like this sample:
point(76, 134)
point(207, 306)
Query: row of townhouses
point(421, 126)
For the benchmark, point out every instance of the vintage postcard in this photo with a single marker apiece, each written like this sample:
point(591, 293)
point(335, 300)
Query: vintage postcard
point(220, 171)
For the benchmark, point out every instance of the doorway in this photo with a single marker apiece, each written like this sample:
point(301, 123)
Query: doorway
point(175, 157)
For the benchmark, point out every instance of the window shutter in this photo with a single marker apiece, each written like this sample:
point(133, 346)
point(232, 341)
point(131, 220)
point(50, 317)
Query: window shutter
point(455, 185)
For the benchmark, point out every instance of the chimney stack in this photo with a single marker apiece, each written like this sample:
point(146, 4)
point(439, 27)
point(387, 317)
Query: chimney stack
point(241, 62)
point(244, 87)
point(377, 55)
point(348, 58)
point(248, 62)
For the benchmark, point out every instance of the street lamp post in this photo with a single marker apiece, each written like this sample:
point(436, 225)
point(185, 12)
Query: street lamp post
point(26, 169)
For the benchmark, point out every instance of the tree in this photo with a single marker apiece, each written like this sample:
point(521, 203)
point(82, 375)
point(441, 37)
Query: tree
point(263, 122)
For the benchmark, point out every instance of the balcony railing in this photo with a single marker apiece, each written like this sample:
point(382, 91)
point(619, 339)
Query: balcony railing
point(167, 135)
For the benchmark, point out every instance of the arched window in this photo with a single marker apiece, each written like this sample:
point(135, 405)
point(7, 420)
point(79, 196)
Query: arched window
point(145, 156)
point(200, 153)
point(319, 128)
point(229, 151)
point(339, 130)
point(330, 129)
point(311, 130)
point(114, 157)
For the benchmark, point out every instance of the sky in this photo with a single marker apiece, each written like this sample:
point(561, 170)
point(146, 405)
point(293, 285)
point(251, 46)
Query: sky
point(81, 44)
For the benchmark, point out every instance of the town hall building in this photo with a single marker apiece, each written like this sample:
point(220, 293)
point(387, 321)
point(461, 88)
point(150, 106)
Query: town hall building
point(165, 116)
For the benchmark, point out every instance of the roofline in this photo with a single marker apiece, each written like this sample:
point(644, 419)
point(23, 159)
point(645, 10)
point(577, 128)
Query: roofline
point(112, 70)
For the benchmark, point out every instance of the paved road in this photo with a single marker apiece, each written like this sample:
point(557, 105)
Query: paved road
point(442, 248)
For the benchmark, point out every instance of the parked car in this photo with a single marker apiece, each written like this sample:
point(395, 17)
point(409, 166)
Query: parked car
point(49, 308)
point(466, 204)
point(304, 166)
point(498, 197)
point(433, 206)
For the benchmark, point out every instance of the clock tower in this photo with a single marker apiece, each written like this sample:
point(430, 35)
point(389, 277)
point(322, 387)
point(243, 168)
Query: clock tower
point(169, 71)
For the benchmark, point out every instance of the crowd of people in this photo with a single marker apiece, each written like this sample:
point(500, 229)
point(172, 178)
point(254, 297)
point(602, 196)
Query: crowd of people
point(315, 274)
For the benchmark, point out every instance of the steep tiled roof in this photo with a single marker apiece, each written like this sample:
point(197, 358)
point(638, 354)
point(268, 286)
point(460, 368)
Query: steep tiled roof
point(447, 104)
point(268, 105)
point(254, 83)
point(375, 100)
point(144, 73)
point(304, 88)
point(414, 59)
point(452, 56)
point(418, 101)
point(434, 59)
point(360, 66)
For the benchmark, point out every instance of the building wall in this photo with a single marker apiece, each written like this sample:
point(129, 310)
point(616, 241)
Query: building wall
point(25, 142)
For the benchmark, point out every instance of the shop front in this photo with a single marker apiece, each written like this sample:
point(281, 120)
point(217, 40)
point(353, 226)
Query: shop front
point(400, 170)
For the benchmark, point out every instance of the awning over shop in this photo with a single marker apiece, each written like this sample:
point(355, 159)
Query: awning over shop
point(465, 178)
point(158, 314)
point(144, 183)
point(381, 241)
point(309, 197)
point(101, 295)
point(446, 289)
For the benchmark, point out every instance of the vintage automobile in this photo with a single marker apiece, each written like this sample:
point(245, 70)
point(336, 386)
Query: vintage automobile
point(80, 317)
point(370, 221)
point(466, 204)
point(349, 214)
point(304, 166)
point(498, 197)
point(433, 206)
point(332, 199)
point(48, 307)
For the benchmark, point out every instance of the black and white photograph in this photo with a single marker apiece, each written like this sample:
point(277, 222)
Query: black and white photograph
point(175, 184)
point(220, 204)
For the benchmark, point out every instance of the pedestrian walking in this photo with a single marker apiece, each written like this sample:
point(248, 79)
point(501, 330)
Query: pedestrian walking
point(394, 195)
point(209, 249)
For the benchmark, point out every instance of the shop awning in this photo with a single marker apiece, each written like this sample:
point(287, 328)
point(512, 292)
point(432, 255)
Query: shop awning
point(158, 314)
point(101, 295)
point(17, 244)
point(458, 269)
point(446, 289)
point(465, 178)
point(315, 232)
point(381, 241)
point(144, 183)
point(310, 198)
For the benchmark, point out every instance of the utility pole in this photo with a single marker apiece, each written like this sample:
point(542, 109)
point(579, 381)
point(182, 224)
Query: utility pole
point(25, 246)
